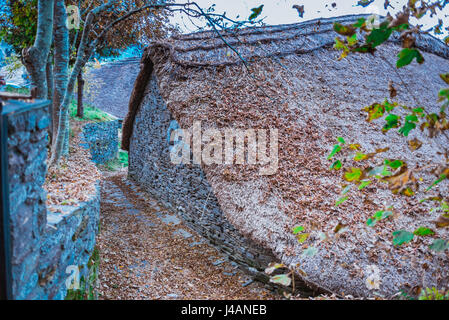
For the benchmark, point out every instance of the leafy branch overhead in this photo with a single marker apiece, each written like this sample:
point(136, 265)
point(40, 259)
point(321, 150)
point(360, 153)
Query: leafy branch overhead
point(363, 37)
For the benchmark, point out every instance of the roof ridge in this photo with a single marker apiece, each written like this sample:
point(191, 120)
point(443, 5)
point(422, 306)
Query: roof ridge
point(207, 49)
point(270, 28)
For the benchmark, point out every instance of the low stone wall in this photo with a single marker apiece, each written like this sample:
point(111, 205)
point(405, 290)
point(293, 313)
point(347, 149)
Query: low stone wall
point(102, 140)
point(67, 247)
point(184, 188)
point(43, 244)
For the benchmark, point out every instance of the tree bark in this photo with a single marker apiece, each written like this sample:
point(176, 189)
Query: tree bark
point(35, 57)
point(61, 58)
point(83, 54)
point(49, 71)
point(80, 106)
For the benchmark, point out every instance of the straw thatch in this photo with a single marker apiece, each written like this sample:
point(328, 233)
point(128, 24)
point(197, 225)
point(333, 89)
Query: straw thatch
point(297, 85)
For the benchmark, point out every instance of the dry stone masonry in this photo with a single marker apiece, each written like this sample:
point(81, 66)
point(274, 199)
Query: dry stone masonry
point(102, 140)
point(44, 244)
point(184, 188)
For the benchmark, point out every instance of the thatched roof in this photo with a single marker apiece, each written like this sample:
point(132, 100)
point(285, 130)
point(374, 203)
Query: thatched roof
point(120, 75)
point(207, 49)
point(297, 85)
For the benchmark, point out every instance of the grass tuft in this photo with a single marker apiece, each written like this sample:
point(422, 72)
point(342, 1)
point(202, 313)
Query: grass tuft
point(90, 113)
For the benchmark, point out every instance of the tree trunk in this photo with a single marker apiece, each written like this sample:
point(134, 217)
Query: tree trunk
point(83, 54)
point(61, 57)
point(80, 106)
point(49, 71)
point(85, 50)
point(35, 57)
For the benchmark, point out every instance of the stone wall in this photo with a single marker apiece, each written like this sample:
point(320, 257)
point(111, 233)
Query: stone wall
point(102, 140)
point(184, 188)
point(43, 243)
point(67, 247)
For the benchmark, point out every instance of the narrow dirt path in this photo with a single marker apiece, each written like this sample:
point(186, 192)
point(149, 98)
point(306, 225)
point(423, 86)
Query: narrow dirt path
point(148, 253)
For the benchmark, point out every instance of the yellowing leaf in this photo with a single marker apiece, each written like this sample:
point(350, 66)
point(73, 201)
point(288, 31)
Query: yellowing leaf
point(375, 111)
point(445, 77)
point(354, 174)
point(302, 237)
point(354, 146)
point(360, 156)
point(344, 30)
point(414, 144)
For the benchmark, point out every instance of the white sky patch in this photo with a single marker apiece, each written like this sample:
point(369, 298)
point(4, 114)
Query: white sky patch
point(278, 12)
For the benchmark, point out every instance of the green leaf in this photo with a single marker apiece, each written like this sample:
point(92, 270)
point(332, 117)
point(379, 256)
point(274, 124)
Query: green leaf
point(364, 184)
point(378, 36)
point(392, 122)
point(378, 216)
point(411, 118)
point(340, 201)
point(389, 106)
point(444, 93)
point(395, 164)
point(336, 165)
point(442, 177)
point(352, 40)
point(371, 222)
point(419, 111)
point(354, 174)
point(282, 279)
point(405, 130)
point(339, 45)
point(298, 229)
point(407, 55)
point(256, 12)
point(400, 237)
point(422, 231)
point(341, 140)
point(381, 171)
point(335, 150)
point(439, 245)
point(360, 23)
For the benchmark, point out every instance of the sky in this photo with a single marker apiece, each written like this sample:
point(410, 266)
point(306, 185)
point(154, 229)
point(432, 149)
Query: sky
point(281, 11)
